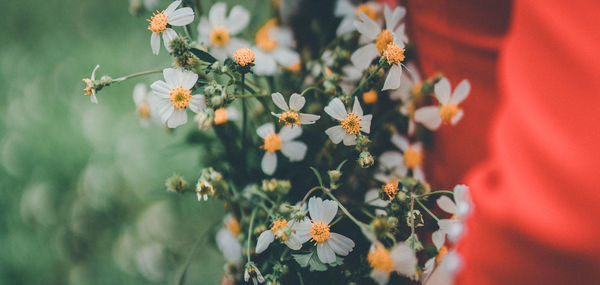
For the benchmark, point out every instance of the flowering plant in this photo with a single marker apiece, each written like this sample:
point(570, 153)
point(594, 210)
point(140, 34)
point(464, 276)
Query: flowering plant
point(315, 147)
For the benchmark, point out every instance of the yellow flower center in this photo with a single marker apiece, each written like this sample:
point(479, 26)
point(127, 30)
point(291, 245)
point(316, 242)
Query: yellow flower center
point(158, 22)
point(412, 158)
point(244, 56)
point(448, 111)
point(391, 188)
point(381, 259)
point(370, 96)
point(272, 143)
point(320, 232)
point(384, 38)
point(233, 226)
point(351, 124)
point(89, 85)
point(290, 118)
point(144, 110)
point(278, 225)
point(219, 36)
point(220, 116)
point(262, 38)
point(367, 9)
point(441, 254)
point(394, 53)
point(180, 97)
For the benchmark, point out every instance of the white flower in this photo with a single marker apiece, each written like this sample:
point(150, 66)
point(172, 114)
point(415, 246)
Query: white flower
point(217, 30)
point(293, 235)
point(349, 12)
point(351, 124)
point(401, 258)
point(452, 227)
point(175, 96)
point(328, 244)
point(448, 265)
point(273, 46)
point(372, 197)
point(90, 86)
point(377, 37)
point(143, 103)
point(252, 271)
point(294, 150)
point(412, 155)
point(448, 112)
point(228, 242)
point(226, 114)
point(391, 167)
point(171, 16)
point(410, 86)
point(291, 115)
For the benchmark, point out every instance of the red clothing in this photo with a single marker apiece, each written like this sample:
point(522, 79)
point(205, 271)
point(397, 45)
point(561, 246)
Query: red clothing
point(537, 199)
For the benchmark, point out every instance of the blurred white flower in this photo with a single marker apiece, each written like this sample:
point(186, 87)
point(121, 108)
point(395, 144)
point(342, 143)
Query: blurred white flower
point(412, 155)
point(401, 258)
point(226, 114)
point(273, 142)
point(328, 244)
point(459, 208)
point(291, 115)
point(217, 30)
point(175, 96)
point(273, 46)
point(351, 124)
point(228, 242)
point(293, 235)
point(349, 13)
point(410, 86)
point(448, 111)
point(143, 104)
point(253, 272)
point(160, 21)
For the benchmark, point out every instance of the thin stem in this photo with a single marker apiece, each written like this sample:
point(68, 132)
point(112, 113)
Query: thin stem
point(136, 75)
point(427, 210)
point(255, 95)
point(264, 196)
point(188, 32)
point(311, 89)
point(336, 220)
point(372, 200)
point(250, 232)
point(412, 217)
point(357, 222)
point(365, 81)
point(367, 213)
point(244, 121)
point(436, 192)
point(300, 277)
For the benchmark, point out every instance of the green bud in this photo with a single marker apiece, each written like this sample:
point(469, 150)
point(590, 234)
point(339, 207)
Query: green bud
point(176, 183)
point(414, 243)
point(365, 159)
point(179, 46)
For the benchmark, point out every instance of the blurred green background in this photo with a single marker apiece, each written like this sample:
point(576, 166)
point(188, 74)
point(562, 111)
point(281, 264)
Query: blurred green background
point(83, 196)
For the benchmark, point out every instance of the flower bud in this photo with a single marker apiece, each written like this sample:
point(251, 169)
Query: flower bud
point(269, 185)
point(204, 120)
point(365, 159)
point(334, 175)
point(416, 217)
point(176, 183)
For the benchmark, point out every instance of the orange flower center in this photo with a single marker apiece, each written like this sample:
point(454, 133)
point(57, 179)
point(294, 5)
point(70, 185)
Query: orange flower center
point(272, 143)
point(233, 226)
point(262, 38)
point(370, 96)
point(381, 259)
point(158, 22)
point(394, 53)
point(351, 124)
point(244, 56)
point(384, 38)
point(144, 110)
point(441, 254)
point(89, 85)
point(296, 67)
point(180, 97)
point(220, 116)
point(412, 158)
point(320, 232)
point(367, 9)
point(219, 36)
point(290, 118)
point(416, 89)
point(448, 111)
point(391, 188)
point(278, 225)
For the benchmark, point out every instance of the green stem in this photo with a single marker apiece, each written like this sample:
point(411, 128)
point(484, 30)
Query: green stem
point(365, 81)
point(255, 95)
point(427, 210)
point(357, 222)
point(123, 78)
point(244, 122)
point(436, 192)
point(412, 218)
point(300, 277)
point(367, 213)
point(250, 232)
point(336, 220)
point(310, 89)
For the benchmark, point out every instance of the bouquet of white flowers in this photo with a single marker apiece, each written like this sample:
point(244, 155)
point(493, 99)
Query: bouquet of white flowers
point(314, 145)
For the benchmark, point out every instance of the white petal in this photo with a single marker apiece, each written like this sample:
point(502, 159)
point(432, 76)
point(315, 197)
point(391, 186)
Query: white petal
point(172, 7)
point(216, 15)
point(265, 130)
point(197, 103)
point(181, 17)
point(391, 159)
point(363, 56)
point(269, 163)
point(172, 77)
point(349, 139)
point(289, 133)
point(264, 240)
point(400, 141)
point(188, 79)
point(234, 44)
point(336, 109)
point(346, 26)
point(325, 253)
point(328, 211)
point(178, 118)
point(230, 246)
point(279, 101)
point(457, 117)
point(293, 242)
point(283, 36)
point(204, 29)
point(392, 18)
point(265, 63)
point(365, 123)
point(297, 101)
point(461, 92)
point(336, 134)
point(302, 229)
point(442, 91)
point(307, 119)
point(343, 8)
point(392, 81)
point(294, 150)
point(168, 35)
point(429, 116)
point(405, 260)
point(340, 244)
point(315, 206)
point(400, 34)
point(139, 93)
point(356, 109)
point(238, 19)
point(93, 97)
point(419, 174)
point(367, 27)
point(285, 56)
point(155, 43)
point(381, 277)
point(447, 205)
point(165, 110)
point(160, 89)
point(438, 237)
point(219, 53)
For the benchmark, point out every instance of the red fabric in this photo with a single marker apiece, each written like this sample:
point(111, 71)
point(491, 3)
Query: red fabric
point(537, 199)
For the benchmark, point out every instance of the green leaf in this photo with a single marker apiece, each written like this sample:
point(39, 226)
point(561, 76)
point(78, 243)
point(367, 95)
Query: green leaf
point(341, 164)
point(318, 175)
point(312, 261)
point(202, 55)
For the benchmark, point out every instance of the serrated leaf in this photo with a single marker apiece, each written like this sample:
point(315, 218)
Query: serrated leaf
point(338, 261)
point(310, 260)
point(202, 55)
point(302, 259)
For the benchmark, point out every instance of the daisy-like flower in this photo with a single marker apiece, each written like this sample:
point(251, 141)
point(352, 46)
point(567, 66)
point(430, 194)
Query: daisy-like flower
point(90, 86)
point(224, 115)
point(448, 265)
point(228, 242)
point(410, 87)
point(459, 209)
point(291, 115)
point(351, 124)
point(143, 103)
point(378, 38)
point(217, 30)
point(253, 272)
point(431, 263)
point(350, 12)
point(372, 197)
point(293, 234)
point(412, 155)
point(401, 258)
point(328, 244)
point(175, 95)
point(273, 142)
point(203, 189)
point(273, 46)
point(160, 24)
point(448, 111)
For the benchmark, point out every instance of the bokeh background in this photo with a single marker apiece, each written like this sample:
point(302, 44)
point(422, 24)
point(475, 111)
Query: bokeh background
point(83, 195)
